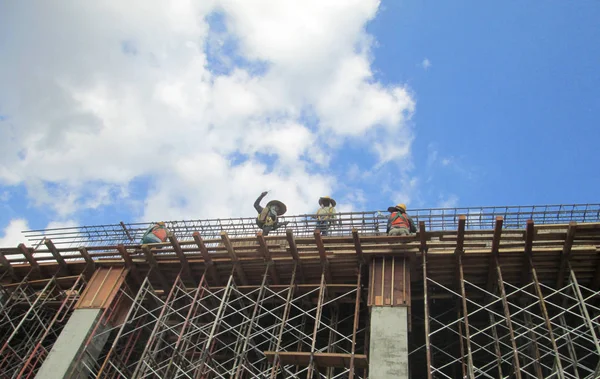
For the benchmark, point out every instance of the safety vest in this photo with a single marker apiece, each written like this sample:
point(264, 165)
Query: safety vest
point(399, 220)
point(326, 213)
point(160, 232)
point(264, 218)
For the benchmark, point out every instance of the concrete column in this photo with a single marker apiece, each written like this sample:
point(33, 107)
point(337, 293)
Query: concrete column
point(388, 351)
point(67, 359)
point(69, 345)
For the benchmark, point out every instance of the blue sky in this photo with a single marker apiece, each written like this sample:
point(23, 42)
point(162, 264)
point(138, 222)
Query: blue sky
point(434, 104)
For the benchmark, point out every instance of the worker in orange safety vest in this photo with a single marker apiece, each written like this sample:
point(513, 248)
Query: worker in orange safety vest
point(399, 223)
point(157, 233)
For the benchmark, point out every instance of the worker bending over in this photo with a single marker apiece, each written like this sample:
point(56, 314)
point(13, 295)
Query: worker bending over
point(325, 214)
point(156, 233)
point(399, 223)
point(267, 216)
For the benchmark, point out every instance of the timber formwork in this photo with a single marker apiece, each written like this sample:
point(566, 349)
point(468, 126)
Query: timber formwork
point(486, 300)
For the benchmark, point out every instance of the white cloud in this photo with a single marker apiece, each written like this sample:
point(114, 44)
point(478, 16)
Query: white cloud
point(450, 201)
point(426, 64)
point(101, 93)
point(12, 236)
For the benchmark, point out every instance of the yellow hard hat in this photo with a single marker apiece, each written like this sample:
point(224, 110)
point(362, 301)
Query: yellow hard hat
point(161, 223)
point(397, 207)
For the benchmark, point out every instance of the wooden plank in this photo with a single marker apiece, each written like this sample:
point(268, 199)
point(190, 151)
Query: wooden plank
point(54, 251)
point(129, 264)
point(207, 258)
point(29, 256)
point(267, 255)
point(323, 255)
point(302, 358)
point(358, 247)
point(151, 259)
point(565, 255)
point(234, 258)
point(182, 258)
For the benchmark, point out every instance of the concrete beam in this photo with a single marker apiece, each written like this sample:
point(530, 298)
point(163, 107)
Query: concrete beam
point(388, 352)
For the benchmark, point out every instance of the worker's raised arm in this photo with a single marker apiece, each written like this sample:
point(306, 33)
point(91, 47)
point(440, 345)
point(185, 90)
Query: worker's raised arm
point(257, 202)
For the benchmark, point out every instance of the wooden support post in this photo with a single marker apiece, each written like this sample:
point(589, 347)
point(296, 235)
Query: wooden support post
point(284, 318)
point(151, 259)
point(540, 296)
point(527, 257)
point(565, 255)
point(356, 320)
point(207, 259)
point(508, 320)
point(29, 256)
point(358, 247)
point(129, 264)
point(294, 252)
point(323, 255)
point(322, 288)
point(182, 258)
point(267, 255)
point(423, 249)
point(459, 252)
point(494, 257)
point(234, 258)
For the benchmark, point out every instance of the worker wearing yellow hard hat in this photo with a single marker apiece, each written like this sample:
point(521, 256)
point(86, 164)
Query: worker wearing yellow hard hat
point(399, 223)
point(325, 214)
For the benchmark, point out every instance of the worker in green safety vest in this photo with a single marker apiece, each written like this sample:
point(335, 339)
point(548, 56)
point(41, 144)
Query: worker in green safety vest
point(326, 214)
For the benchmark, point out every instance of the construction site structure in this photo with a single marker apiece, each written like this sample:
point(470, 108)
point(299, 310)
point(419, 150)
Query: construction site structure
point(489, 292)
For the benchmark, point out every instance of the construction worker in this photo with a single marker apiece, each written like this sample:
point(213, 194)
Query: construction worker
point(326, 214)
point(399, 223)
point(267, 216)
point(156, 233)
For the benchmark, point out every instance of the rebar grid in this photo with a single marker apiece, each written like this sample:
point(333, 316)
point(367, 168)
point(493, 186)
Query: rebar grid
point(529, 330)
point(31, 319)
point(371, 222)
point(224, 332)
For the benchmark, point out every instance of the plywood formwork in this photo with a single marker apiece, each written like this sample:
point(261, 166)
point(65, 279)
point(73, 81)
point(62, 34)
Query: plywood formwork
point(494, 302)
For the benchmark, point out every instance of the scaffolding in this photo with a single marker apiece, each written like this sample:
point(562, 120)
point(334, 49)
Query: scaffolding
point(482, 303)
point(370, 223)
point(32, 315)
point(265, 331)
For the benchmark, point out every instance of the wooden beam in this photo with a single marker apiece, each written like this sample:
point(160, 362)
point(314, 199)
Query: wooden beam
point(528, 253)
point(495, 253)
point(267, 255)
point(294, 252)
point(358, 247)
point(151, 259)
point(185, 265)
point(323, 255)
point(129, 264)
point(91, 265)
point(54, 251)
point(27, 253)
point(565, 255)
point(207, 259)
point(234, 258)
point(460, 237)
point(8, 266)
